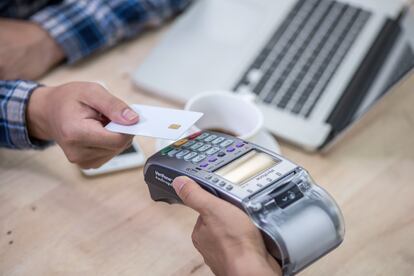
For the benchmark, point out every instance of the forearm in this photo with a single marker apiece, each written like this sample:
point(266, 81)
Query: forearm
point(254, 266)
point(14, 99)
point(26, 50)
point(81, 28)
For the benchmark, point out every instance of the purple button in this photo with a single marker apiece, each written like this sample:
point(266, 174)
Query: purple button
point(239, 145)
point(230, 149)
point(203, 165)
point(212, 159)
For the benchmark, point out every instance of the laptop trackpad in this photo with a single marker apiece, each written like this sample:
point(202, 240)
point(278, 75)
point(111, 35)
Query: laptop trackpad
point(228, 21)
point(209, 46)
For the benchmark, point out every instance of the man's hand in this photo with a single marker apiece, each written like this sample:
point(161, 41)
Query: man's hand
point(26, 50)
point(74, 116)
point(224, 235)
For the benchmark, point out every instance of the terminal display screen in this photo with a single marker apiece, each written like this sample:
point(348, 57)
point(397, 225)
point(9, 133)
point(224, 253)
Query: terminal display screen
point(247, 166)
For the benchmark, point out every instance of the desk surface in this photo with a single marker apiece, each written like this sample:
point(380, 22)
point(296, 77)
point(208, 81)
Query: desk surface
point(54, 221)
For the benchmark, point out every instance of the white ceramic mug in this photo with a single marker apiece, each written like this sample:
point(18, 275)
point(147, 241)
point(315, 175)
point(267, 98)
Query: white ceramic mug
point(232, 113)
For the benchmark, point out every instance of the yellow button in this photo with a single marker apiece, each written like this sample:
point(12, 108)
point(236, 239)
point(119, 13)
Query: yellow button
point(180, 142)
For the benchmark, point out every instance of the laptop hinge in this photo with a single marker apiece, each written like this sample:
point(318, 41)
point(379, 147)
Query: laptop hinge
point(343, 113)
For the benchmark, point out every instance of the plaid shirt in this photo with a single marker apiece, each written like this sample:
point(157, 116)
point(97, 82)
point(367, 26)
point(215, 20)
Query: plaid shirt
point(80, 28)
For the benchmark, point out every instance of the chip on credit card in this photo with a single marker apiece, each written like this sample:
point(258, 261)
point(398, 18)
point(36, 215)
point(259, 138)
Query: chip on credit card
point(158, 122)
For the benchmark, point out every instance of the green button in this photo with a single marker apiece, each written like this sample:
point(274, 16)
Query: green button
point(166, 150)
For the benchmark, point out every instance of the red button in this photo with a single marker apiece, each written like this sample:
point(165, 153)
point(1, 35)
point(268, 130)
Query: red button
point(194, 135)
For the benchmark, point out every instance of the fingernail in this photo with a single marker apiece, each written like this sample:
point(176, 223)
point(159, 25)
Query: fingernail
point(179, 183)
point(129, 114)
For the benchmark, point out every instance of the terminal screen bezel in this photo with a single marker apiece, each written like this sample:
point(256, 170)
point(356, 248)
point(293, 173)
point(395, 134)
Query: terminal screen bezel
point(247, 166)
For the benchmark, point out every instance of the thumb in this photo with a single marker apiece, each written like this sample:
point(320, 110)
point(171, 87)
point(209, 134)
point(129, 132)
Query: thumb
point(113, 108)
point(194, 196)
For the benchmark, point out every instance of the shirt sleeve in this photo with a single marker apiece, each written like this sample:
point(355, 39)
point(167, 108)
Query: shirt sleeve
point(84, 27)
point(14, 97)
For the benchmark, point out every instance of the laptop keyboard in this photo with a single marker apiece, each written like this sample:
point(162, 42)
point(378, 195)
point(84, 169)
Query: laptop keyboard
point(293, 69)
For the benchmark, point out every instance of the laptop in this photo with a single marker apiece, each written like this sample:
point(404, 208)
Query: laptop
point(314, 66)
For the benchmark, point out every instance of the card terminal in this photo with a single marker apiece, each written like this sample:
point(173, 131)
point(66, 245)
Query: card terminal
point(300, 222)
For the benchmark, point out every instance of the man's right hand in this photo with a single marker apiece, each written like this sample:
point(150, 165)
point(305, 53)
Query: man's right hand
point(74, 115)
point(224, 235)
point(26, 50)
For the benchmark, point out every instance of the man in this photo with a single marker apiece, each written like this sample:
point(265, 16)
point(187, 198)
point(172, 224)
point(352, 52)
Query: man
point(73, 114)
point(44, 33)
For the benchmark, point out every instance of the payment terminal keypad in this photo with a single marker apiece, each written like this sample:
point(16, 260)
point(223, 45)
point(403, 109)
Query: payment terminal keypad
point(182, 153)
point(210, 138)
point(189, 144)
point(226, 143)
point(213, 150)
point(201, 154)
point(218, 140)
point(190, 156)
point(173, 152)
point(202, 136)
point(196, 145)
point(206, 150)
point(199, 158)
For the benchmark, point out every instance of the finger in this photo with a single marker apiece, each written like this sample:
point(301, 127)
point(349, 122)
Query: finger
point(95, 163)
point(112, 107)
point(78, 155)
point(95, 135)
point(99, 157)
point(195, 197)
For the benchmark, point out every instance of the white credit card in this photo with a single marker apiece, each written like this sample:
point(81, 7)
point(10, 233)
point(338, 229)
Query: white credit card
point(158, 122)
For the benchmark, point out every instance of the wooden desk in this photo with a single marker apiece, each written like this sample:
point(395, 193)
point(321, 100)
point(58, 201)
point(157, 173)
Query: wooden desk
point(54, 221)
